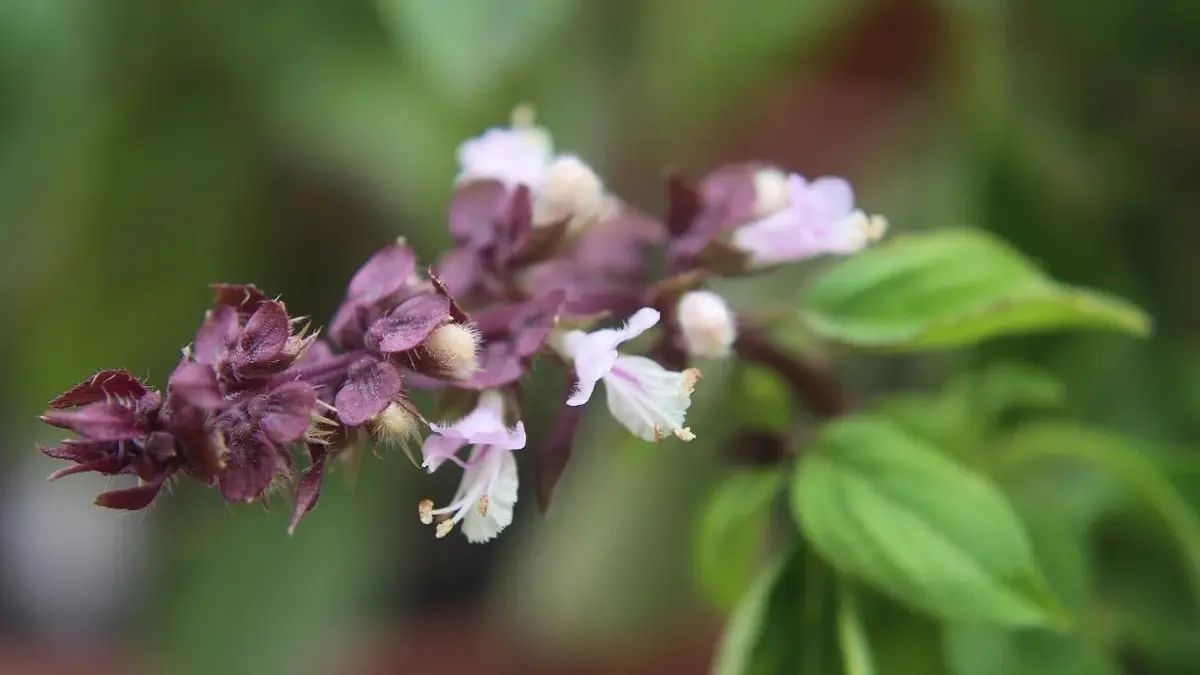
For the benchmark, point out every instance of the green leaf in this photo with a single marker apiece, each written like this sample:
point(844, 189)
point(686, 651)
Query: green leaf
point(852, 635)
point(784, 623)
point(950, 288)
point(468, 48)
point(973, 649)
point(732, 532)
point(760, 635)
point(1125, 458)
point(893, 511)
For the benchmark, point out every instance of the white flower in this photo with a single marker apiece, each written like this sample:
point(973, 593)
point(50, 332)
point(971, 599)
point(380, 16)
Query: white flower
point(563, 187)
point(707, 325)
point(488, 491)
point(646, 398)
point(818, 218)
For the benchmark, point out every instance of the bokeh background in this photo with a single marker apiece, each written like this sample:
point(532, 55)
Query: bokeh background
point(148, 148)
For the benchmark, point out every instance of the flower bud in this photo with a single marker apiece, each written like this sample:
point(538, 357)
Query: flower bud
point(452, 350)
point(771, 192)
point(396, 424)
point(572, 192)
point(707, 325)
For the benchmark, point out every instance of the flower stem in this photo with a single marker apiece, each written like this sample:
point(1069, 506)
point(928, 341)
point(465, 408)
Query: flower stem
point(819, 388)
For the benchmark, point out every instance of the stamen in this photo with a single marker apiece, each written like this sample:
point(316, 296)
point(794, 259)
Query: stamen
point(690, 377)
point(483, 505)
point(425, 511)
point(444, 527)
point(684, 434)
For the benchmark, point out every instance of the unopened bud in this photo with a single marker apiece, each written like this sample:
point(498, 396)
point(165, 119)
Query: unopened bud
point(707, 324)
point(453, 348)
point(396, 423)
point(572, 192)
point(771, 194)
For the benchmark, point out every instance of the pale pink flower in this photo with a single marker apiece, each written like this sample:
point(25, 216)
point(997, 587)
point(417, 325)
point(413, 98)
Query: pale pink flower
point(487, 493)
point(647, 399)
point(817, 218)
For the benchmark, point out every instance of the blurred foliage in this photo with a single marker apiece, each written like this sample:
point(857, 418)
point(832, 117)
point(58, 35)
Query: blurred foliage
point(148, 148)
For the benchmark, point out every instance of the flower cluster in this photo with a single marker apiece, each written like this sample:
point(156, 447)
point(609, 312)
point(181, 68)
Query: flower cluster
point(546, 264)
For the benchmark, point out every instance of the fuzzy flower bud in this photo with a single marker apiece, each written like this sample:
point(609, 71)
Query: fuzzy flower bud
point(770, 192)
point(453, 348)
point(396, 424)
point(572, 192)
point(707, 325)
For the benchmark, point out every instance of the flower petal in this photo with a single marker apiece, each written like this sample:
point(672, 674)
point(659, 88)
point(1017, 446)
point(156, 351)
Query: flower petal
point(130, 499)
point(250, 467)
point(264, 337)
point(370, 386)
point(475, 209)
point(649, 400)
point(408, 325)
point(102, 386)
point(196, 385)
point(485, 521)
point(285, 412)
point(215, 335)
point(383, 275)
point(518, 155)
point(308, 492)
point(98, 422)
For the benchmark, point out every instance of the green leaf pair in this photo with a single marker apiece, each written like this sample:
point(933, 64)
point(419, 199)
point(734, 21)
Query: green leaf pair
point(887, 508)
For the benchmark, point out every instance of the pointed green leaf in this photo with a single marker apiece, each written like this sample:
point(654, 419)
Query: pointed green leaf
point(950, 288)
point(889, 509)
point(852, 635)
point(732, 533)
point(1122, 457)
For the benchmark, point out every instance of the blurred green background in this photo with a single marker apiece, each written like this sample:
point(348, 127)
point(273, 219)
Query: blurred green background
point(148, 148)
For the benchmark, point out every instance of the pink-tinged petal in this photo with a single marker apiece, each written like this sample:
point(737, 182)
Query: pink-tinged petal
point(348, 325)
point(498, 365)
point(514, 156)
point(439, 447)
point(130, 499)
point(102, 386)
point(383, 275)
point(249, 469)
point(196, 385)
point(265, 335)
point(555, 453)
point(98, 422)
point(308, 492)
point(527, 324)
point(408, 325)
point(641, 321)
point(215, 335)
point(475, 209)
point(370, 386)
point(285, 413)
point(318, 352)
point(831, 197)
point(460, 271)
point(515, 223)
point(245, 298)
